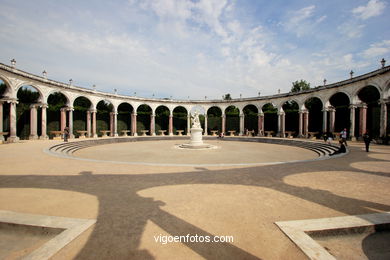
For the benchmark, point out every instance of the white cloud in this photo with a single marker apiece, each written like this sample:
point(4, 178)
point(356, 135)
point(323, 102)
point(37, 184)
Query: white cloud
point(377, 49)
point(351, 29)
point(372, 9)
point(303, 21)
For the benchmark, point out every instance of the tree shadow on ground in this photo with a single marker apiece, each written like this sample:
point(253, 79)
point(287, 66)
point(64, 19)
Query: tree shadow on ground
point(123, 214)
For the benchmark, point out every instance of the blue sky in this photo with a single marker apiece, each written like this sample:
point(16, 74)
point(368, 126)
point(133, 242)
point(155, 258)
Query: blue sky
point(195, 48)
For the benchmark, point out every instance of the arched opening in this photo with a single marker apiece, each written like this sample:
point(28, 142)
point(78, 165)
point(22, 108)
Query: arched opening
point(56, 101)
point(124, 118)
point(179, 119)
point(27, 97)
point(214, 119)
point(314, 107)
point(80, 105)
point(144, 113)
point(251, 118)
point(162, 119)
point(340, 102)
point(103, 110)
point(232, 119)
point(291, 111)
point(270, 117)
point(370, 96)
point(4, 123)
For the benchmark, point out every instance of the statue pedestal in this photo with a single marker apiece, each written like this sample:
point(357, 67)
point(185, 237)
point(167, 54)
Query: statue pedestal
point(196, 136)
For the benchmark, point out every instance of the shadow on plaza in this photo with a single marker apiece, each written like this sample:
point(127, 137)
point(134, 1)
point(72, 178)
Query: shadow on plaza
point(123, 214)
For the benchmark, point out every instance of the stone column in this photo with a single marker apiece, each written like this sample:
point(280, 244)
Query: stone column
point(223, 123)
point(44, 135)
point(324, 120)
point(205, 124)
point(152, 124)
point(33, 122)
point(242, 118)
point(332, 119)
point(306, 123)
point(188, 124)
point(94, 133)
point(63, 119)
point(352, 120)
point(1, 120)
point(281, 122)
point(12, 118)
point(70, 115)
point(383, 119)
point(134, 124)
point(112, 124)
point(170, 124)
point(260, 124)
point(363, 119)
point(300, 134)
point(88, 123)
point(115, 121)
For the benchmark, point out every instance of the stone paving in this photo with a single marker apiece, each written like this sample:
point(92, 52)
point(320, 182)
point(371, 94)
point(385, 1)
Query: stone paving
point(132, 204)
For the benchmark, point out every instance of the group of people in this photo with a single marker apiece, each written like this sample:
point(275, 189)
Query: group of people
point(328, 137)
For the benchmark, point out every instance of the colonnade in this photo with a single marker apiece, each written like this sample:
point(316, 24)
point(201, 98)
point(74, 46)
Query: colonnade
point(66, 119)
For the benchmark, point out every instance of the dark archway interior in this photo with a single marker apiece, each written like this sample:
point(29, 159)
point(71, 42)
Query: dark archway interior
point(270, 117)
point(314, 106)
point(370, 95)
point(162, 119)
point(214, 119)
point(232, 119)
point(124, 117)
point(143, 118)
point(55, 102)
point(81, 105)
point(103, 110)
point(251, 118)
point(340, 102)
point(291, 110)
point(27, 95)
point(179, 119)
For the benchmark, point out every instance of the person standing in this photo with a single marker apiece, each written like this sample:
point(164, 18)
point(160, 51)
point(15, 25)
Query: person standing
point(343, 135)
point(367, 140)
point(66, 134)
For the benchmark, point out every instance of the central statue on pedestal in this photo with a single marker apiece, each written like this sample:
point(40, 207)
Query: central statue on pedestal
point(196, 134)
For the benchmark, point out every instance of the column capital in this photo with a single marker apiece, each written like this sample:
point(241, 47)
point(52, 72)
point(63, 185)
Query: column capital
point(44, 105)
point(11, 100)
point(352, 106)
point(134, 113)
point(34, 105)
point(384, 101)
point(362, 105)
point(92, 111)
point(242, 114)
point(260, 114)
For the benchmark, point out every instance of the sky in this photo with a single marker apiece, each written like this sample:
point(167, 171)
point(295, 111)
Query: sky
point(196, 49)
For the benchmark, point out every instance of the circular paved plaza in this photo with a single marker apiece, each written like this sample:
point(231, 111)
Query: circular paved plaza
point(133, 203)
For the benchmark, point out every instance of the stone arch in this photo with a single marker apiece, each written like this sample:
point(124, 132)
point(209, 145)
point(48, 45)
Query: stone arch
point(214, 118)
point(144, 118)
point(314, 106)
point(232, 114)
point(251, 112)
point(5, 88)
point(57, 103)
point(340, 102)
point(180, 117)
point(369, 96)
point(291, 116)
point(270, 118)
point(53, 91)
point(104, 108)
point(124, 117)
point(81, 106)
point(28, 111)
point(162, 114)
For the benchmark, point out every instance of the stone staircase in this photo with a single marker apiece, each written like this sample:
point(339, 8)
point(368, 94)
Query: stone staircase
point(69, 148)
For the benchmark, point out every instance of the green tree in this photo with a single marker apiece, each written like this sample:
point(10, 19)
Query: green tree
point(301, 85)
point(227, 97)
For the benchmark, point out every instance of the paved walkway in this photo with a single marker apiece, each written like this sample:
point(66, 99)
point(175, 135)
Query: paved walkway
point(133, 204)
